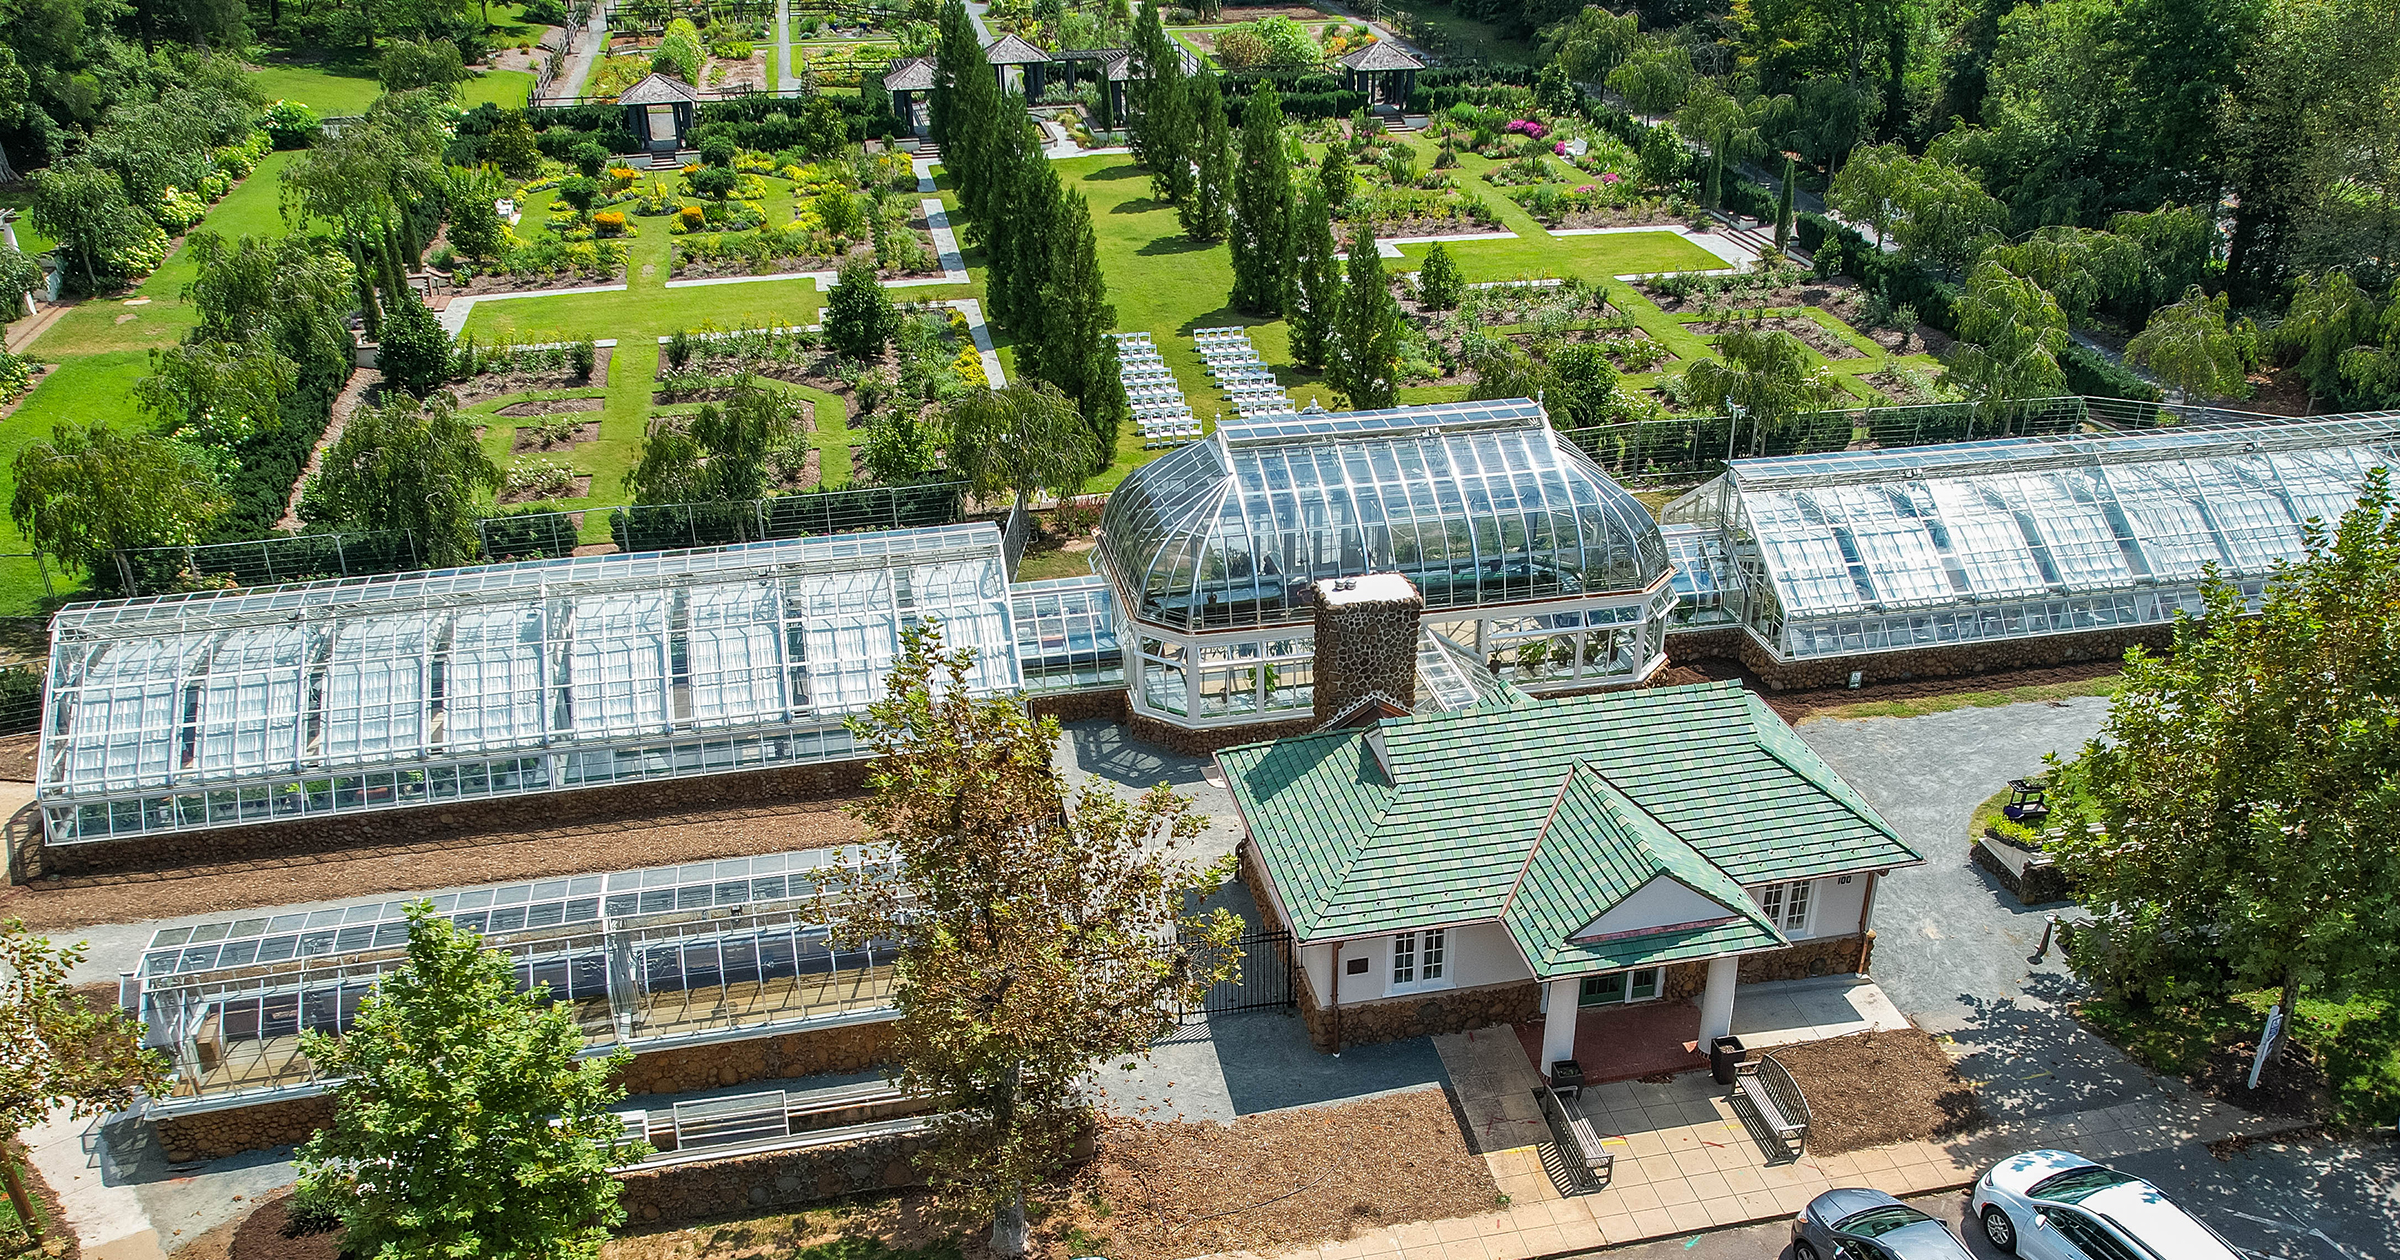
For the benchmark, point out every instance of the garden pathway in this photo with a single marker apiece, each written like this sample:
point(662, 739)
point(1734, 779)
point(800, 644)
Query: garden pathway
point(579, 62)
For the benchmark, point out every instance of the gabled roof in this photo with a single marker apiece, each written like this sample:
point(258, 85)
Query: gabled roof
point(1446, 835)
point(1383, 54)
point(1009, 50)
point(659, 89)
point(1596, 850)
point(912, 75)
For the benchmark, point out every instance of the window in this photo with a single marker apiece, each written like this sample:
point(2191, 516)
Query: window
point(2089, 1236)
point(1619, 986)
point(1787, 905)
point(1420, 957)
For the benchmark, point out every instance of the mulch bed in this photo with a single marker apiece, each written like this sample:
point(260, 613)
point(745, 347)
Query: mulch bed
point(530, 439)
point(1614, 216)
point(489, 385)
point(1807, 330)
point(1877, 1088)
point(270, 1233)
point(440, 859)
point(18, 756)
point(1270, 1183)
point(488, 282)
point(550, 407)
point(58, 1240)
point(580, 488)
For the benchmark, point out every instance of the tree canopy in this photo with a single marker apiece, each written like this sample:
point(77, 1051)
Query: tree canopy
point(406, 465)
point(88, 493)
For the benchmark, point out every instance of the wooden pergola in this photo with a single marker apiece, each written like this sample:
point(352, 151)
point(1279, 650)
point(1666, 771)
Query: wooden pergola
point(1383, 70)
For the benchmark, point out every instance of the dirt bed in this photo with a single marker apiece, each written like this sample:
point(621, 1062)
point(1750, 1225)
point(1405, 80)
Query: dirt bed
point(530, 439)
point(1877, 1088)
point(489, 385)
point(1816, 335)
point(1798, 706)
point(441, 862)
point(579, 488)
point(550, 407)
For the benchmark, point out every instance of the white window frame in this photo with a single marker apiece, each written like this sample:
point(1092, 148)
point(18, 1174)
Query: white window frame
point(1428, 956)
point(1791, 906)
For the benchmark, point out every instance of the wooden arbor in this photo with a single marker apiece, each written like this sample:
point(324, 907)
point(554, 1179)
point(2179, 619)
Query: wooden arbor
point(1383, 70)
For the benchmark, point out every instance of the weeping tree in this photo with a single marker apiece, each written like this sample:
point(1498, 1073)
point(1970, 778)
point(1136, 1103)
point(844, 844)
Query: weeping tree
point(409, 466)
point(1029, 925)
point(1019, 442)
point(1768, 373)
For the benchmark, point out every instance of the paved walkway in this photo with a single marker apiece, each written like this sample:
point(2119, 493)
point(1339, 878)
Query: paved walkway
point(785, 80)
point(579, 63)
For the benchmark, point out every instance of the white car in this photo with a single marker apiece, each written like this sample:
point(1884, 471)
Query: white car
point(2057, 1205)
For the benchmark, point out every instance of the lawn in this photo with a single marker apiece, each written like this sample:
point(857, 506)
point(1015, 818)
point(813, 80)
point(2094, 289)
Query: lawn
point(2355, 1044)
point(348, 89)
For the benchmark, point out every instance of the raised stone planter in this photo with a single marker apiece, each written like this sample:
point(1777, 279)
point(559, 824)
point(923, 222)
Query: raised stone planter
point(2032, 878)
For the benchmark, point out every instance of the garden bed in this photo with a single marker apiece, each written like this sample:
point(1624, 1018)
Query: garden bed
point(485, 386)
point(1630, 350)
point(1647, 214)
point(725, 74)
point(531, 438)
point(683, 266)
point(526, 282)
point(550, 407)
point(577, 487)
point(1879, 1087)
point(1815, 335)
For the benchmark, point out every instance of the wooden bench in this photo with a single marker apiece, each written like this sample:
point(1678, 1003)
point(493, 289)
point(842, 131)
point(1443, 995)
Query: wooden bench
point(1578, 1139)
point(1772, 1096)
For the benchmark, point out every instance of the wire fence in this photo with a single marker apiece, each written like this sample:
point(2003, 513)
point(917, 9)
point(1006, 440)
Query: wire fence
point(664, 526)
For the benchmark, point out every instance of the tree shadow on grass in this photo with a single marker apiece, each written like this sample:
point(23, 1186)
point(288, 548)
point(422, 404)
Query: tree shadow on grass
point(1176, 245)
point(1139, 205)
point(1122, 170)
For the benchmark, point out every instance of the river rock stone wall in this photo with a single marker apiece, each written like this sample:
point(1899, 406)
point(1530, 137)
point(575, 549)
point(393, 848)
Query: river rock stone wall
point(456, 820)
point(687, 1192)
point(1953, 660)
point(1821, 956)
point(1366, 642)
point(216, 1134)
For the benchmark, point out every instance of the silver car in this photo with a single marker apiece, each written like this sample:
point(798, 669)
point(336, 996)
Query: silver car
point(1869, 1225)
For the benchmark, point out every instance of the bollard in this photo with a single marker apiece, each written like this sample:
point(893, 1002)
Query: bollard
point(2049, 928)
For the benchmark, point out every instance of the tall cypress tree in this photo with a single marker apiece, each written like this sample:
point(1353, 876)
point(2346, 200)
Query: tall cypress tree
point(967, 110)
point(1783, 209)
point(1316, 281)
point(1073, 349)
point(1363, 359)
point(1262, 208)
point(1203, 213)
point(1021, 223)
point(1162, 109)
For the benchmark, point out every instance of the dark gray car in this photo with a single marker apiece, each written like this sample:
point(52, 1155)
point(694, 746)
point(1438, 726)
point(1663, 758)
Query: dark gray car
point(1869, 1225)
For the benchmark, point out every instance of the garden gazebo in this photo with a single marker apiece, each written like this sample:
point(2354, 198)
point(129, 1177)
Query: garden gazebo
point(1383, 70)
point(909, 81)
point(1009, 50)
point(658, 111)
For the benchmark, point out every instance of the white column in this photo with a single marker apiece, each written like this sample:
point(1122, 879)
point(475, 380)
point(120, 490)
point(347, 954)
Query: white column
point(1716, 1001)
point(1558, 1023)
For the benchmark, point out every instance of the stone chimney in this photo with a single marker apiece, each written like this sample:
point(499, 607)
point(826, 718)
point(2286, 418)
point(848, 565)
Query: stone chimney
point(1366, 642)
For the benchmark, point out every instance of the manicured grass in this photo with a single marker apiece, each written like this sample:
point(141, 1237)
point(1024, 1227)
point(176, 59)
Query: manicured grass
point(2105, 685)
point(325, 89)
point(1475, 41)
point(505, 88)
point(2356, 1042)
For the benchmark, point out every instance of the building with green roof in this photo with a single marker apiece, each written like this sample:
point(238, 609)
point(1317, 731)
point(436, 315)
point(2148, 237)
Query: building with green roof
point(1445, 870)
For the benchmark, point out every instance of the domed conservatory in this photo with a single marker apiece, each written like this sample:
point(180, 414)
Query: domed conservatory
point(1530, 560)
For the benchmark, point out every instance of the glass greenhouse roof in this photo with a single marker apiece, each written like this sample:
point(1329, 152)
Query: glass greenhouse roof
point(1982, 524)
point(233, 706)
point(1476, 503)
point(1067, 635)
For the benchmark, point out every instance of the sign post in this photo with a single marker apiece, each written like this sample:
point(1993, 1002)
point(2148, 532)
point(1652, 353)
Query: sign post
point(2266, 1042)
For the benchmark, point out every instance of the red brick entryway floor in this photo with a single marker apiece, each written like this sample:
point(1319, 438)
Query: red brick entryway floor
point(1623, 1042)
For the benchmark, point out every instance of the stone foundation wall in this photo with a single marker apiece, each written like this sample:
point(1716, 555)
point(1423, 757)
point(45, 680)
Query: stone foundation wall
point(1202, 743)
point(1418, 1015)
point(452, 820)
point(1082, 705)
point(216, 1134)
point(265, 1126)
point(2038, 882)
point(690, 1192)
point(1947, 661)
point(1821, 956)
point(850, 1048)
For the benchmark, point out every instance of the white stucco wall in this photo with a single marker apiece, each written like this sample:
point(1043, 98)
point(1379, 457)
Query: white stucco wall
point(1834, 905)
point(1476, 954)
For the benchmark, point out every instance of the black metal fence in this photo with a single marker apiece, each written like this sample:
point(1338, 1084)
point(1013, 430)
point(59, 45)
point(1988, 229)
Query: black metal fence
point(667, 526)
point(1684, 448)
point(1261, 979)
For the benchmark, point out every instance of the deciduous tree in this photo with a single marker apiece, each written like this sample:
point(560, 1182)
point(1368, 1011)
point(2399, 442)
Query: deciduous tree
point(465, 1122)
point(860, 319)
point(87, 494)
point(2189, 347)
point(406, 465)
point(2011, 333)
point(1030, 925)
point(2233, 821)
point(1766, 372)
point(1019, 442)
point(720, 454)
point(58, 1050)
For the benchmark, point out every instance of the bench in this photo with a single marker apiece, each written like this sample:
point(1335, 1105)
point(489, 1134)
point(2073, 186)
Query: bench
point(1578, 1139)
point(1774, 1098)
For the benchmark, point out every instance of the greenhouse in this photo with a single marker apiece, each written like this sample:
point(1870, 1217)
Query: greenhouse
point(1525, 553)
point(1871, 551)
point(647, 959)
point(222, 708)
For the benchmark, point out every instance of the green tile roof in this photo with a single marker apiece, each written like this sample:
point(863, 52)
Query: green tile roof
point(1443, 839)
point(1597, 849)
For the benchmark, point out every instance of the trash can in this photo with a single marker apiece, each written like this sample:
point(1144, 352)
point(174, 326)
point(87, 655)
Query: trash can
point(1723, 1053)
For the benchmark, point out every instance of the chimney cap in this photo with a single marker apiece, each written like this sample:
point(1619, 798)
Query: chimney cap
point(1368, 588)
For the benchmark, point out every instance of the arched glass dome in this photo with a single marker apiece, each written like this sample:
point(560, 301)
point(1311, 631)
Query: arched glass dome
point(1477, 503)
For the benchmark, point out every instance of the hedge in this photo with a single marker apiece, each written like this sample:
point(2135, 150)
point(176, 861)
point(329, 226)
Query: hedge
point(528, 534)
